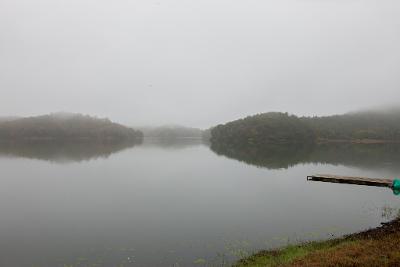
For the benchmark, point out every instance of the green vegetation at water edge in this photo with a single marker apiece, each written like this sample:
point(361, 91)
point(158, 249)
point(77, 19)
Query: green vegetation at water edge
point(374, 247)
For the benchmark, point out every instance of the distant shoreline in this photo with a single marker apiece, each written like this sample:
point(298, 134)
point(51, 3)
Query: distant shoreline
point(319, 141)
point(66, 139)
point(71, 127)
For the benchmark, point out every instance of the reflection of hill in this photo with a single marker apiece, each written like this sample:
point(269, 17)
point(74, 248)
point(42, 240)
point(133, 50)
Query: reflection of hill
point(285, 156)
point(272, 156)
point(359, 155)
point(63, 151)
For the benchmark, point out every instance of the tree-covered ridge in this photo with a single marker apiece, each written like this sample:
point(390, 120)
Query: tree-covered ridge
point(65, 126)
point(263, 129)
point(377, 125)
point(275, 127)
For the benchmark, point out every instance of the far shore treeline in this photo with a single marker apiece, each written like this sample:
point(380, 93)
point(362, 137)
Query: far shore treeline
point(280, 128)
point(375, 126)
point(65, 127)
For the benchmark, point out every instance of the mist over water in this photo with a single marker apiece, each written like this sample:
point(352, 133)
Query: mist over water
point(164, 202)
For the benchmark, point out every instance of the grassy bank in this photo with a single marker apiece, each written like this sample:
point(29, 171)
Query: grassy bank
point(375, 247)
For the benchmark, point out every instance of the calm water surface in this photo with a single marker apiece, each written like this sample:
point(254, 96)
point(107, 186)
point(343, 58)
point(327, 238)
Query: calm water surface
point(180, 203)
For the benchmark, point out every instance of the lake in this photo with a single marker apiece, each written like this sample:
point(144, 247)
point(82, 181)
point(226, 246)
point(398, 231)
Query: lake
point(182, 202)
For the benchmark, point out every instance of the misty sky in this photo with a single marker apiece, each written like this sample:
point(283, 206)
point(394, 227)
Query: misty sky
point(197, 63)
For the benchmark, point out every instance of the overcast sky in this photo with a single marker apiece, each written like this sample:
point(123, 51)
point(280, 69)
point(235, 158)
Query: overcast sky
point(197, 62)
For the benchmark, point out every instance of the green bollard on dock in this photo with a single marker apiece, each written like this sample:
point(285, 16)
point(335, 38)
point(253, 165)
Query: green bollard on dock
point(396, 186)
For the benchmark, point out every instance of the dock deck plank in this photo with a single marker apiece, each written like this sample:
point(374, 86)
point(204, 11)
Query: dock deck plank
point(351, 180)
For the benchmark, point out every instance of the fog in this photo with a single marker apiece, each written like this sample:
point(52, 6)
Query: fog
point(197, 63)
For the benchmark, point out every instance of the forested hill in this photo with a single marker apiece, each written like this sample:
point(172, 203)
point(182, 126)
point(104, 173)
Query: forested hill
point(65, 126)
point(278, 127)
point(262, 129)
point(373, 125)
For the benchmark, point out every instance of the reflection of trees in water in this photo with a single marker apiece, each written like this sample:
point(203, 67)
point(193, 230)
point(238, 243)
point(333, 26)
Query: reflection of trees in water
point(271, 156)
point(287, 155)
point(64, 151)
point(359, 155)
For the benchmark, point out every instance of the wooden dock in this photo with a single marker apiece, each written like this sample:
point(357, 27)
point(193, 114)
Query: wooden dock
point(351, 180)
